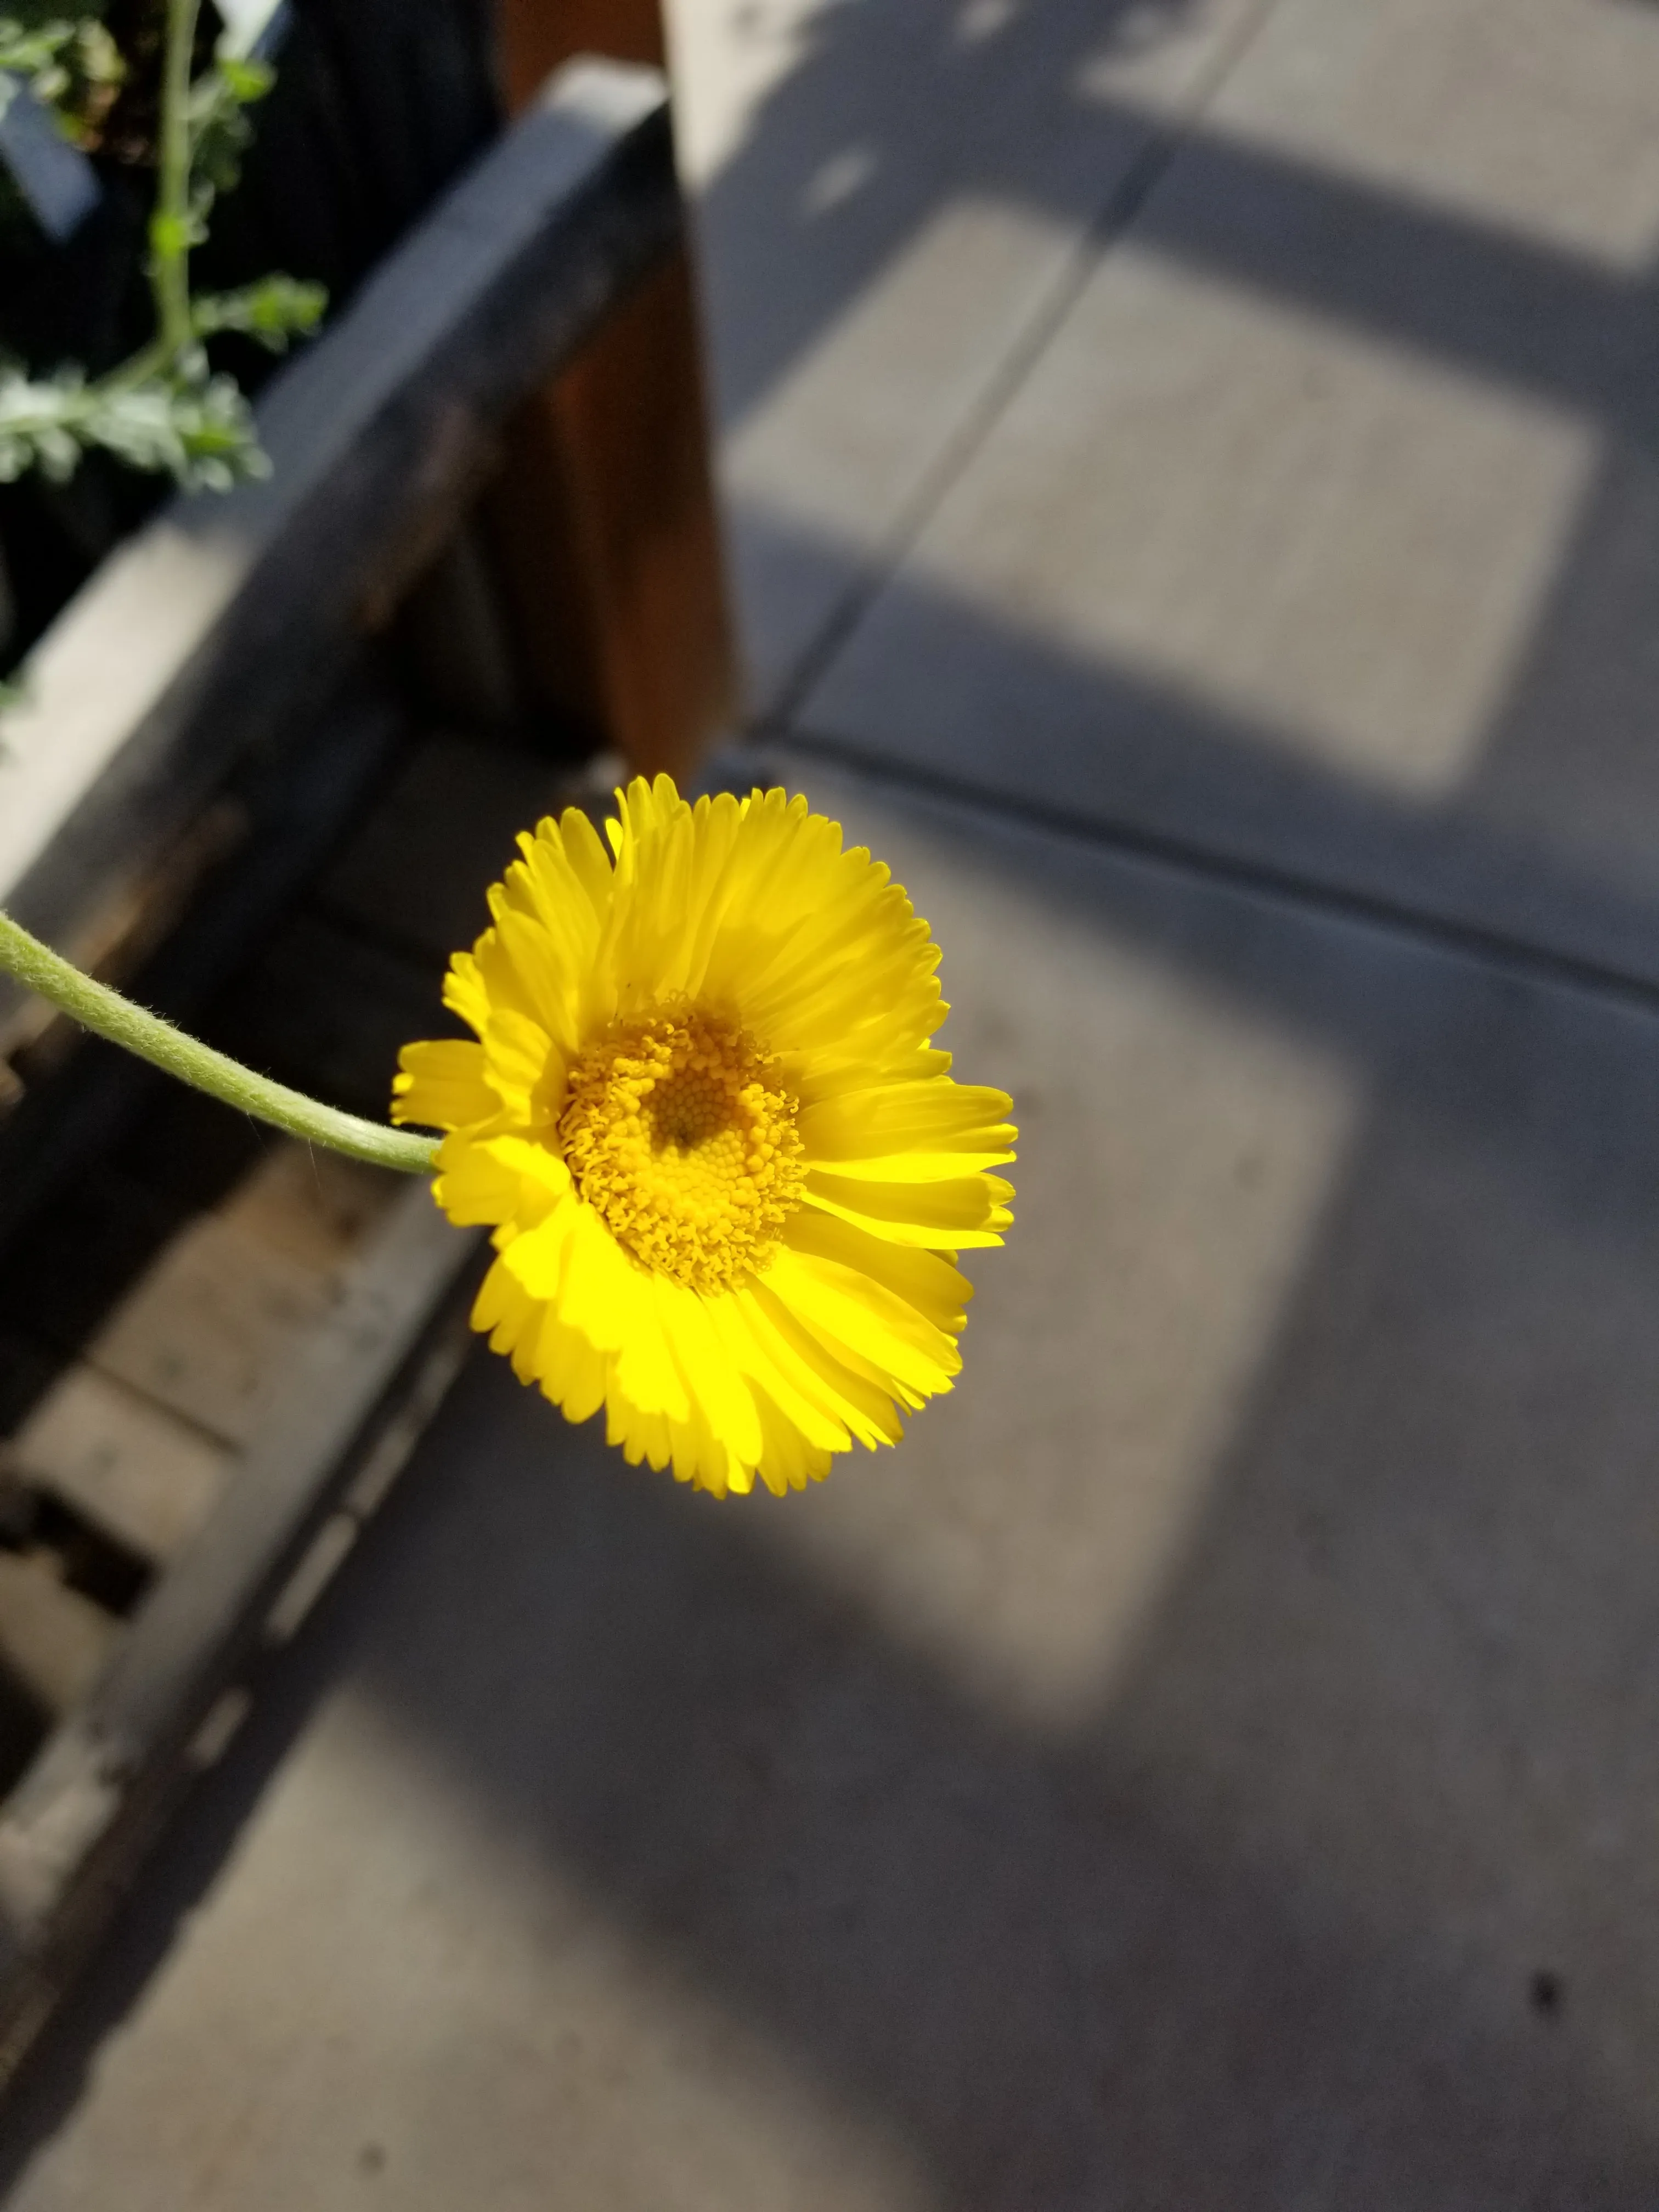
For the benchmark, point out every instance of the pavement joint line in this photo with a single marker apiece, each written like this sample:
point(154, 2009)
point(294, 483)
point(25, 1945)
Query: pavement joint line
point(1096, 237)
point(1515, 957)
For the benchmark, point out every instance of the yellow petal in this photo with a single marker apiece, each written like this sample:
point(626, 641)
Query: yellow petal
point(848, 1308)
point(466, 994)
point(571, 1373)
point(926, 1280)
point(441, 1084)
point(946, 1217)
point(842, 1388)
point(646, 1372)
point(765, 1372)
point(523, 1066)
point(897, 1118)
point(536, 1259)
point(473, 1188)
point(709, 1369)
point(605, 1295)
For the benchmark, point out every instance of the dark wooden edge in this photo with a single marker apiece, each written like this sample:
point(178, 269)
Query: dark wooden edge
point(603, 522)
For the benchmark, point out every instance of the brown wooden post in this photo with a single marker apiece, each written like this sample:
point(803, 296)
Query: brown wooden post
point(603, 521)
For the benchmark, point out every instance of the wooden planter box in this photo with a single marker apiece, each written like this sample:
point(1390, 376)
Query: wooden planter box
point(205, 723)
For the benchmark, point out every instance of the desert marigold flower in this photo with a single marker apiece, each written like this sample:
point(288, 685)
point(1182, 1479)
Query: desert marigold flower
point(728, 1174)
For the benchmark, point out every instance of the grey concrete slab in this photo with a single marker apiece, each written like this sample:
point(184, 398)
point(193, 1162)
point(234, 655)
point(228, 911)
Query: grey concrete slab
point(1323, 535)
point(1208, 1766)
point(1519, 115)
point(890, 200)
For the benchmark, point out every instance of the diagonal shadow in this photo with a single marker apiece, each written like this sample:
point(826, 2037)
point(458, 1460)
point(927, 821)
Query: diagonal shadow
point(1516, 313)
point(1005, 118)
point(1543, 852)
point(939, 121)
point(913, 114)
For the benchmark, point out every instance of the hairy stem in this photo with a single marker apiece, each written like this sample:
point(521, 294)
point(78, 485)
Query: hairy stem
point(109, 1015)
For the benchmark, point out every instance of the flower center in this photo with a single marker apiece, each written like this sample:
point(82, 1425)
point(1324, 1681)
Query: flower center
point(680, 1136)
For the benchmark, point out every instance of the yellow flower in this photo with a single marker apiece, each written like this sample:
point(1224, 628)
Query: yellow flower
point(727, 1173)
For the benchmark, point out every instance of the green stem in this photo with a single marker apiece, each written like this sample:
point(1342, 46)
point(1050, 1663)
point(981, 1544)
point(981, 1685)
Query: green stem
point(170, 231)
point(149, 360)
point(109, 1015)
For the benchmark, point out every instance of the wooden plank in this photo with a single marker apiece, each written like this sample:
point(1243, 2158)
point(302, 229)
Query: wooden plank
point(128, 927)
point(535, 37)
point(204, 634)
point(53, 1640)
point(217, 1313)
point(603, 520)
point(456, 651)
point(199, 1334)
point(314, 1206)
point(126, 1465)
point(83, 1806)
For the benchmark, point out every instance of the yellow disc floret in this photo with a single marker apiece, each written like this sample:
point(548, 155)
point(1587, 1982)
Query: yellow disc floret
point(681, 1137)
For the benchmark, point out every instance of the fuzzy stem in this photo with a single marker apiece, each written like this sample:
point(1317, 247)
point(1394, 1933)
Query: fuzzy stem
point(108, 1013)
point(170, 250)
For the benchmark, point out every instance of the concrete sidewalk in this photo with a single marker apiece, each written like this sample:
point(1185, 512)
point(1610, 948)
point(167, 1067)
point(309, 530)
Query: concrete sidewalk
point(1193, 476)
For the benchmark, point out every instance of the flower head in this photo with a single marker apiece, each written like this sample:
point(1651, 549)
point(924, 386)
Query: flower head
point(727, 1172)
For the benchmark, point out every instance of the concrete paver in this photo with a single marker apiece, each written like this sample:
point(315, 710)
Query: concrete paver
point(1208, 1768)
point(1322, 535)
point(893, 199)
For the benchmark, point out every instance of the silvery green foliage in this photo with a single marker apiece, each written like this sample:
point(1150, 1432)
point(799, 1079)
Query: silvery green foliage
point(163, 412)
point(193, 427)
point(33, 58)
point(219, 134)
point(271, 313)
point(56, 60)
point(219, 130)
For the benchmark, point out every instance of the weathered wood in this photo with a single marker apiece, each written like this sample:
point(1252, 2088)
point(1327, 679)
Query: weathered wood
point(202, 636)
point(199, 1334)
point(605, 520)
point(85, 1802)
point(129, 1467)
point(53, 1640)
point(314, 1206)
point(329, 1417)
point(216, 1315)
point(535, 37)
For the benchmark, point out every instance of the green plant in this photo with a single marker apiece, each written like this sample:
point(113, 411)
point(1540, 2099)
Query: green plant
point(165, 409)
point(73, 68)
